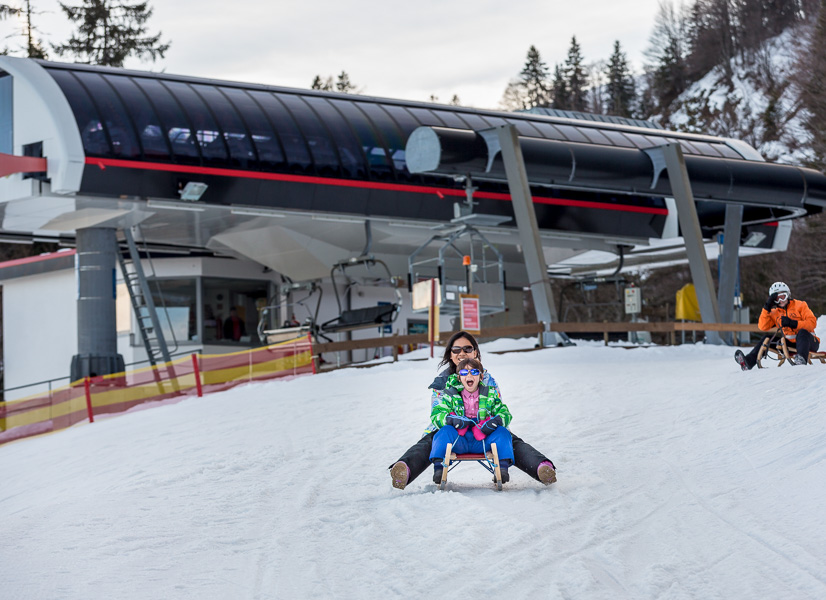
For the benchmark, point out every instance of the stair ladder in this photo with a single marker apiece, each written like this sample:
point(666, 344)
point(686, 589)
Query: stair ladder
point(146, 313)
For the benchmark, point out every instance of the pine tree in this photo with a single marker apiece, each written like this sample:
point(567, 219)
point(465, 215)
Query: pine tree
point(576, 78)
point(620, 92)
point(561, 94)
point(7, 11)
point(534, 79)
point(34, 46)
point(325, 85)
point(344, 85)
point(108, 33)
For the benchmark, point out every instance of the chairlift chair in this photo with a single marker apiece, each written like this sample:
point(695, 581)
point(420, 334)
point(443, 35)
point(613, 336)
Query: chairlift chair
point(359, 318)
point(290, 332)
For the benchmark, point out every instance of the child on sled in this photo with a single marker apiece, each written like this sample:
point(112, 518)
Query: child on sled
point(471, 417)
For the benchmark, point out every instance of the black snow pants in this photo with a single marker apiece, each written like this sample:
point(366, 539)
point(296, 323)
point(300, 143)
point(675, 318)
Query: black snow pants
point(526, 457)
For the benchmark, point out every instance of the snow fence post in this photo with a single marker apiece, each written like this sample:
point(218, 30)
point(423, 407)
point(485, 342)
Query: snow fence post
point(87, 384)
point(197, 375)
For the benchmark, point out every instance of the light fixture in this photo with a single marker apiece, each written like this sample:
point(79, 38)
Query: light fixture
point(192, 191)
point(335, 219)
point(256, 212)
point(173, 206)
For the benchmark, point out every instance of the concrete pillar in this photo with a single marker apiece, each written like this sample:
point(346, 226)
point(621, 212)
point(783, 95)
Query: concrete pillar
point(97, 342)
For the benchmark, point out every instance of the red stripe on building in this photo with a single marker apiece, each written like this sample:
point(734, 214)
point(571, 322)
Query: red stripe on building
point(103, 163)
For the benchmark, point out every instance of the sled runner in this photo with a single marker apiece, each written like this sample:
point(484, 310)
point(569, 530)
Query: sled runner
point(783, 352)
point(490, 461)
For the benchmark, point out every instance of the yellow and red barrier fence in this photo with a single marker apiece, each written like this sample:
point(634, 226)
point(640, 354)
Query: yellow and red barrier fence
point(84, 399)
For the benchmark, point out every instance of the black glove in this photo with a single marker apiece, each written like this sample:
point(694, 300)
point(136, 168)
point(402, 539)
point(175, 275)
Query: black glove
point(787, 322)
point(771, 302)
point(491, 425)
point(456, 421)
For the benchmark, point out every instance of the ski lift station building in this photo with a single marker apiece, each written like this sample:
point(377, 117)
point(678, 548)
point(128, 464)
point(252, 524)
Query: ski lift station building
point(241, 196)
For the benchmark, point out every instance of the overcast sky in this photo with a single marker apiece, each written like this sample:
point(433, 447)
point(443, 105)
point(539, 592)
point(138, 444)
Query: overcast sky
point(471, 48)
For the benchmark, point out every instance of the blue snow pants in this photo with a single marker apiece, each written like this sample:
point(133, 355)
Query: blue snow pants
point(467, 444)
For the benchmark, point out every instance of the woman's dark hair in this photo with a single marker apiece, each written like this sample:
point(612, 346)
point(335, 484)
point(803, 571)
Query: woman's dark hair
point(459, 334)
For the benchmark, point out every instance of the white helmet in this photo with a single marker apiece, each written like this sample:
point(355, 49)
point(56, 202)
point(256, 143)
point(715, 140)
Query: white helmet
point(779, 287)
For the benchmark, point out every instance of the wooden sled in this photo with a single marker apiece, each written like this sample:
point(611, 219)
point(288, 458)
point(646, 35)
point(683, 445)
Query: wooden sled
point(490, 461)
point(784, 352)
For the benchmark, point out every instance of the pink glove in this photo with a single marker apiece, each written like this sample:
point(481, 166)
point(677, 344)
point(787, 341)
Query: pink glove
point(477, 433)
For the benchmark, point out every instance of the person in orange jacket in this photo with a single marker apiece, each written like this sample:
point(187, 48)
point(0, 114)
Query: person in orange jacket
point(796, 319)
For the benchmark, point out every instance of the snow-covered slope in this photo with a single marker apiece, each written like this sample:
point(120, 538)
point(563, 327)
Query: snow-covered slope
point(679, 477)
point(763, 90)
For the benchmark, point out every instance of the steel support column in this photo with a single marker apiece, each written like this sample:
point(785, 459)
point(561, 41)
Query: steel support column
point(97, 342)
point(729, 265)
point(520, 191)
point(690, 229)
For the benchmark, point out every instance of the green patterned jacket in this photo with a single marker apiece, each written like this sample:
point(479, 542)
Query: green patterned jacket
point(490, 404)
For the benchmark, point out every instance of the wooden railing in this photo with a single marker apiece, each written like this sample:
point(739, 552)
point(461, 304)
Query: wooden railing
point(663, 327)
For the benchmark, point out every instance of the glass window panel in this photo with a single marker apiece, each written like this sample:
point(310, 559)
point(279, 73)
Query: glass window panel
point(450, 119)
point(175, 124)
point(147, 124)
point(707, 149)
point(572, 134)
point(88, 120)
point(115, 117)
point(474, 121)
point(639, 141)
point(617, 138)
point(378, 160)
point(688, 147)
point(295, 148)
point(496, 121)
point(264, 137)
point(6, 116)
point(321, 146)
point(524, 127)
point(595, 136)
point(656, 140)
point(349, 149)
point(236, 136)
point(175, 300)
point(431, 118)
point(727, 151)
point(548, 131)
point(207, 132)
point(223, 296)
point(390, 131)
point(405, 124)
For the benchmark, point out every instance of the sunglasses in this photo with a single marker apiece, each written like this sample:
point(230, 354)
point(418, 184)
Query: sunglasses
point(466, 372)
point(465, 349)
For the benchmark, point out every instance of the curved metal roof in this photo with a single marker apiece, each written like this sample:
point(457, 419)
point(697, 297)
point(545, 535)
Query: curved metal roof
point(160, 117)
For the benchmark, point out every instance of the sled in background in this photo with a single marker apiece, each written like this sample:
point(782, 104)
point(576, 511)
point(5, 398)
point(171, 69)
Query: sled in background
point(490, 461)
point(783, 351)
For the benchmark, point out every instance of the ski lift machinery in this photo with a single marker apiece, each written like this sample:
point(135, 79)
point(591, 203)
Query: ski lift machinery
point(485, 277)
point(348, 319)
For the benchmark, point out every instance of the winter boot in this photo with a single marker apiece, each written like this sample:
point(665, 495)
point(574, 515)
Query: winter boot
point(503, 470)
point(400, 473)
point(798, 360)
point(546, 472)
point(741, 360)
point(437, 471)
